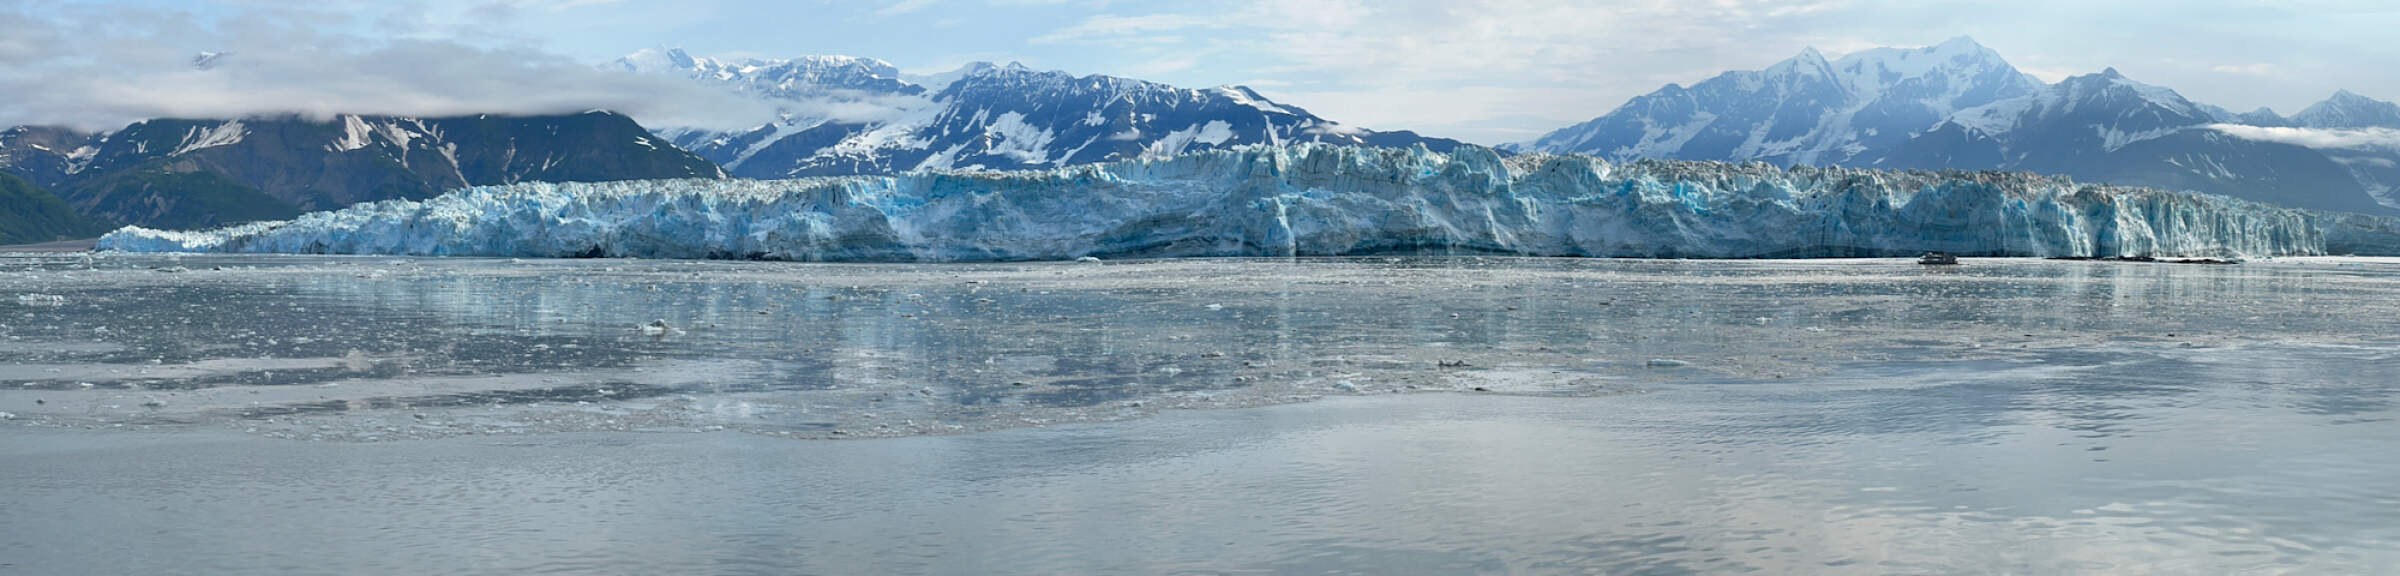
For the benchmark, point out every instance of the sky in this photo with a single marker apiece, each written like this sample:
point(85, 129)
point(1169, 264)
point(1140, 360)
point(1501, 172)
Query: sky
point(1485, 71)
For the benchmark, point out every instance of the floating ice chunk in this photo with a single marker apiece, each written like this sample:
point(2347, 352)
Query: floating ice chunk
point(41, 300)
point(658, 328)
point(1665, 363)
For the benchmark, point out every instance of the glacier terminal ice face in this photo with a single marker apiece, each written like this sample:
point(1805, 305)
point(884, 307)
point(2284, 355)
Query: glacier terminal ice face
point(1310, 200)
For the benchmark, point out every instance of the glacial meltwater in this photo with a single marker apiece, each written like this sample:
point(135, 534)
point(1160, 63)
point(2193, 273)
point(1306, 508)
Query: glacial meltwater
point(1453, 415)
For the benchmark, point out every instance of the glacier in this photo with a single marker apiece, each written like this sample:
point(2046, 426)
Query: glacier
point(1311, 200)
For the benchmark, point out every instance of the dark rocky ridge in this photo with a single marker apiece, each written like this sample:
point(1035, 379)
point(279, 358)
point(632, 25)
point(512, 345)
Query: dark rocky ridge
point(177, 173)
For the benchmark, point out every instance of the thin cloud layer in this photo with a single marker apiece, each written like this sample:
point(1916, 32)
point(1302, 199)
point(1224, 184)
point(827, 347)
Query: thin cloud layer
point(1488, 71)
point(102, 69)
point(2384, 138)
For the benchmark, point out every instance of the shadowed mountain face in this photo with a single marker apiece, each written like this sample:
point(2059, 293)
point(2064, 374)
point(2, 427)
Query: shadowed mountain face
point(846, 115)
point(177, 173)
point(1959, 105)
point(29, 215)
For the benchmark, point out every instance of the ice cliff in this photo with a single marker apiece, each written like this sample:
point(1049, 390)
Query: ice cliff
point(1310, 200)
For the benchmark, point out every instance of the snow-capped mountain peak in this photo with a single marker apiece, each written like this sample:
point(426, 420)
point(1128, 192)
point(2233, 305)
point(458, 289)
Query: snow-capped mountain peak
point(1956, 62)
point(1808, 64)
point(1804, 110)
point(849, 115)
point(1960, 105)
point(657, 60)
point(2348, 109)
point(2263, 117)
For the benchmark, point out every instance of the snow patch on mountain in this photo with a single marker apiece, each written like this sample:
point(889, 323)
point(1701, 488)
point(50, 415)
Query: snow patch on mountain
point(202, 138)
point(1176, 143)
point(1013, 138)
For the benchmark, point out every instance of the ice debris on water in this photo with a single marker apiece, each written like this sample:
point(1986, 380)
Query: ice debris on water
point(41, 300)
point(658, 328)
point(1311, 200)
point(1665, 363)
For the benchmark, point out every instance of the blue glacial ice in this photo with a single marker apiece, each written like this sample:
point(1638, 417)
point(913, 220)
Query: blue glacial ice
point(1311, 200)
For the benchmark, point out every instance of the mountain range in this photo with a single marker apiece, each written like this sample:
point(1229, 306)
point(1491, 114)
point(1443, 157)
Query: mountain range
point(845, 115)
point(178, 173)
point(840, 115)
point(1959, 105)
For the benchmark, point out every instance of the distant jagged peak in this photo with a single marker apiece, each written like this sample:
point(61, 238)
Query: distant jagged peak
point(812, 77)
point(1017, 78)
point(676, 60)
point(657, 60)
point(1958, 44)
point(1868, 73)
point(1808, 64)
point(2346, 109)
point(1953, 48)
point(1013, 68)
point(2109, 83)
point(2263, 117)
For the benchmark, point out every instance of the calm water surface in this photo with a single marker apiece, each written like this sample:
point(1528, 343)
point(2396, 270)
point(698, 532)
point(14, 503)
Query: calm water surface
point(342, 415)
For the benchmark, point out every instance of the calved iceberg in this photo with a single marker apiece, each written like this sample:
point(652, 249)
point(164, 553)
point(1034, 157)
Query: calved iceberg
point(1306, 200)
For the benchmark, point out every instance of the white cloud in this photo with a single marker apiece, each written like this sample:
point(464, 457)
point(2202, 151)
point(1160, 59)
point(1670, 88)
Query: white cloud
point(2316, 138)
point(1112, 28)
point(2253, 69)
point(102, 69)
point(1164, 65)
point(903, 7)
point(1376, 62)
point(844, 107)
